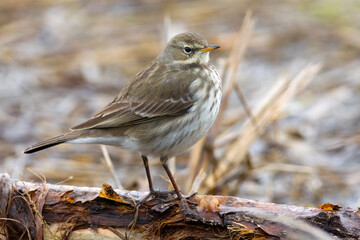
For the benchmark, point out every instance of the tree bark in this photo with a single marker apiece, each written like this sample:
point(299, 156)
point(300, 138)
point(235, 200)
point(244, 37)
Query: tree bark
point(46, 211)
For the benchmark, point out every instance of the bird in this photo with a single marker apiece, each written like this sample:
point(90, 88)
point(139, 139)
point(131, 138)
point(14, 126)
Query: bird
point(162, 111)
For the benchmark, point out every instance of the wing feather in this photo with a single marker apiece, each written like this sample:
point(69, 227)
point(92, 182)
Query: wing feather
point(133, 107)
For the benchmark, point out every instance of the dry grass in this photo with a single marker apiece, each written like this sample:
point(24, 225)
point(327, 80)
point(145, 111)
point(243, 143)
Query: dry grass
point(266, 113)
point(110, 166)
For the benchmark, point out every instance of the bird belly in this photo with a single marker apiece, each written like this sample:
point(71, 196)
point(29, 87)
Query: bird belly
point(177, 135)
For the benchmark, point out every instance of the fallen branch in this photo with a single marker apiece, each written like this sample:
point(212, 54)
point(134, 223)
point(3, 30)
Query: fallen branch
point(93, 213)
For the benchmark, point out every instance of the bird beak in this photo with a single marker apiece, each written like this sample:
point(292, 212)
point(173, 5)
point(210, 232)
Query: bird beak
point(209, 48)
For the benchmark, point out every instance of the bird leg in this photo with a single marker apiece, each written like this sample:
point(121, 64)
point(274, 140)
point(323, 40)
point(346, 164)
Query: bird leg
point(164, 161)
point(148, 175)
point(152, 191)
point(161, 194)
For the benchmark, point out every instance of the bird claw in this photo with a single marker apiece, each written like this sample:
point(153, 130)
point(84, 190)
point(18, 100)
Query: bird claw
point(182, 198)
point(184, 201)
point(162, 196)
point(158, 195)
point(145, 201)
point(191, 202)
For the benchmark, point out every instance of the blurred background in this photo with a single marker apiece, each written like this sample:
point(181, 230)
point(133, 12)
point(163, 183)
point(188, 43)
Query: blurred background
point(61, 61)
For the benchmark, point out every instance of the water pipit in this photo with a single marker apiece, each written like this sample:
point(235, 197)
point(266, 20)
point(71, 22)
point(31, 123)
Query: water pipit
point(162, 111)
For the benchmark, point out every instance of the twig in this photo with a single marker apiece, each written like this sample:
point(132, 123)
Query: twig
point(110, 166)
point(198, 180)
point(245, 105)
point(195, 157)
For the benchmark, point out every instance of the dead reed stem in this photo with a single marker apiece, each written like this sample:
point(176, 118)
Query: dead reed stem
point(266, 112)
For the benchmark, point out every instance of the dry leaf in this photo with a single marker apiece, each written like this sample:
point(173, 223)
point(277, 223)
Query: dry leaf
point(108, 192)
point(329, 207)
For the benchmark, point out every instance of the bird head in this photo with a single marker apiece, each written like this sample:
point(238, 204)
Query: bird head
point(187, 48)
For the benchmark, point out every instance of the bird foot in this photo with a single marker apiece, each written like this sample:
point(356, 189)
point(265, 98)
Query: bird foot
point(161, 195)
point(181, 198)
point(164, 197)
point(157, 194)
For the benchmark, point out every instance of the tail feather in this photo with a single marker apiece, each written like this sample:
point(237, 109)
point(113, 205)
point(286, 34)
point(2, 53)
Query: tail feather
point(52, 142)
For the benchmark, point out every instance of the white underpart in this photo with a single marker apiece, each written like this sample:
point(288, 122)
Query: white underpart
point(192, 126)
point(125, 142)
point(204, 58)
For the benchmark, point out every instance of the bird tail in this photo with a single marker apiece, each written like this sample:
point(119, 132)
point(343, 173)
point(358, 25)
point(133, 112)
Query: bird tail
point(52, 142)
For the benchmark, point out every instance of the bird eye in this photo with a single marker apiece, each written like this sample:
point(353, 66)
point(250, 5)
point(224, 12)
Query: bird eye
point(187, 49)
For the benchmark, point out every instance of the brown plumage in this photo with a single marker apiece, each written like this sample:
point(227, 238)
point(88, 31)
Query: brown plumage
point(162, 95)
point(163, 110)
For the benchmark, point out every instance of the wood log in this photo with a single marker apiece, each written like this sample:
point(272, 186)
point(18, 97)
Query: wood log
point(46, 211)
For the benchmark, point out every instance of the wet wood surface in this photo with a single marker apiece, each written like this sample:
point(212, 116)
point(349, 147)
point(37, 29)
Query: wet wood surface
point(40, 210)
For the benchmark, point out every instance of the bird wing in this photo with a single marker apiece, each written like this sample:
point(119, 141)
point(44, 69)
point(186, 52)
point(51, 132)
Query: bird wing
point(153, 93)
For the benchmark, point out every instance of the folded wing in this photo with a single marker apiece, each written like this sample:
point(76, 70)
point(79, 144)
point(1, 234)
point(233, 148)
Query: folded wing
point(148, 97)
